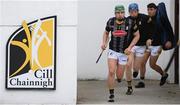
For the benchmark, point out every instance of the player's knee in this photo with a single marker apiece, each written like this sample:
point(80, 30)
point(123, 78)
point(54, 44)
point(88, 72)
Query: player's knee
point(128, 67)
point(129, 64)
point(143, 64)
point(135, 68)
point(111, 73)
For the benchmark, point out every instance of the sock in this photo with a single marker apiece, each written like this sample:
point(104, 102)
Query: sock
point(111, 91)
point(135, 73)
point(119, 80)
point(142, 79)
point(130, 87)
point(129, 83)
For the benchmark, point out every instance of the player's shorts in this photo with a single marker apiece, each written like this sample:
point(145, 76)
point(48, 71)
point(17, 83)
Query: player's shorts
point(139, 50)
point(122, 58)
point(154, 50)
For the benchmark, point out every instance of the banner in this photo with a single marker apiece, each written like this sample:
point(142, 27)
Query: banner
point(31, 55)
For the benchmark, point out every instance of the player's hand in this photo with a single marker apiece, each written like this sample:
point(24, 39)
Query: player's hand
point(103, 46)
point(168, 44)
point(127, 51)
point(148, 42)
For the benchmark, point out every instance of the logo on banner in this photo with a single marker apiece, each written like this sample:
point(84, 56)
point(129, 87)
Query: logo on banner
point(31, 50)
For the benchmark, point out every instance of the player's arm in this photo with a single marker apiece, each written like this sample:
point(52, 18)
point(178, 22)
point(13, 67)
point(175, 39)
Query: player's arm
point(105, 40)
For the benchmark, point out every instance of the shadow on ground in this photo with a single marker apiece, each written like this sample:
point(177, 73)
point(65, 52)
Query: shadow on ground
point(96, 92)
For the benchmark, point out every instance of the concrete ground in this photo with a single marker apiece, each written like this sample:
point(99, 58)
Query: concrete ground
point(96, 92)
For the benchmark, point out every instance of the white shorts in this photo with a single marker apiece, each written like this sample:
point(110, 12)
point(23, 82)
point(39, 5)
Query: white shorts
point(139, 50)
point(154, 50)
point(122, 58)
